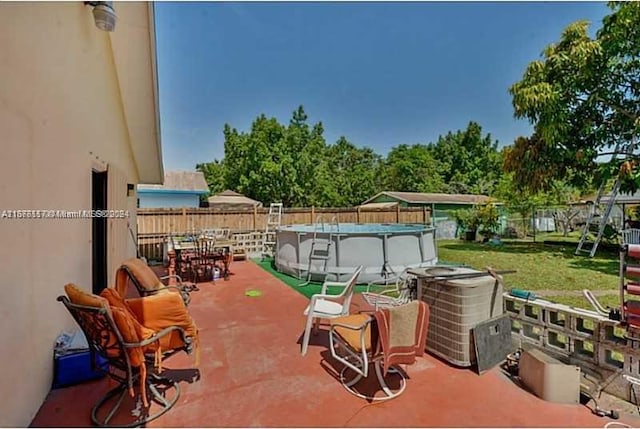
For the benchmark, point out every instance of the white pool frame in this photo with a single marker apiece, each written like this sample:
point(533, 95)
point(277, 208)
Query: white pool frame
point(383, 254)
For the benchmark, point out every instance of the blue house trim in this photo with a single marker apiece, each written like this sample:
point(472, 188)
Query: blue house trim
point(169, 199)
point(170, 191)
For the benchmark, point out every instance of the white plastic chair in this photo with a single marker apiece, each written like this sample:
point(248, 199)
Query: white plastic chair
point(631, 236)
point(325, 306)
point(398, 294)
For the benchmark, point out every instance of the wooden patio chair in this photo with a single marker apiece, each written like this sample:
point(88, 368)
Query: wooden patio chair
point(133, 336)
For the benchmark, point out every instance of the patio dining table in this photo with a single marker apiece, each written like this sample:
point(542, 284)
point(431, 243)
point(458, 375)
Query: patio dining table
point(225, 247)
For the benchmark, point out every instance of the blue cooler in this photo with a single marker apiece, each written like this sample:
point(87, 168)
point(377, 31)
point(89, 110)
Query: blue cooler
point(75, 367)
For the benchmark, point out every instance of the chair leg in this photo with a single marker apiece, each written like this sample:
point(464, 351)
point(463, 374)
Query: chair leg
point(307, 333)
point(383, 384)
point(316, 325)
point(388, 393)
point(138, 416)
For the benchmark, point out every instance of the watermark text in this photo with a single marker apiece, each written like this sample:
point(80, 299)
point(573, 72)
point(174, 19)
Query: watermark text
point(63, 214)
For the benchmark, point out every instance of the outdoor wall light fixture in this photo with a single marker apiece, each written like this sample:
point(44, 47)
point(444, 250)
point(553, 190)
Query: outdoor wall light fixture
point(103, 14)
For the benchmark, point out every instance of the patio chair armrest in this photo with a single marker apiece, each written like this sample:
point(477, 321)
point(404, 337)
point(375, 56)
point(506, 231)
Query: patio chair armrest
point(352, 327)
point(155, 337)
point(389, 291)
point(177, 288)
point(318, 296)
point(380, 301)
point(384, 282)
point(386, 292)
point(172, 276)
point(326, 284)
point(330, 283)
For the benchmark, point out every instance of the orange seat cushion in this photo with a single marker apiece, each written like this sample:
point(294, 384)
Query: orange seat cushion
point(116, 300)
point(127, 322)
point(144, 275)
point(352, 336)
point(160, 311)
point(79, 297)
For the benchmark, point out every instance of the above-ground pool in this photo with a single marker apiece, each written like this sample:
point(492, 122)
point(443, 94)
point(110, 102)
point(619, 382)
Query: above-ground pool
point(384, 250)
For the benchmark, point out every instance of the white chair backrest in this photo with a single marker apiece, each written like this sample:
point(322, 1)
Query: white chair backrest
point(631, 236)
point(347, 293)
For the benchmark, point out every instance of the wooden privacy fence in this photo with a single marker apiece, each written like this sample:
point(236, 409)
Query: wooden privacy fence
point(155, 225)
point(176, 221)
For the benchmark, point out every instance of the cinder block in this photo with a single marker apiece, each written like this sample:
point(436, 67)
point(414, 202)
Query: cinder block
point(532, 332)
point(584, 349)
point(632, 365)
point(584, 325)
point(612, 333)
point(512, 306)
point(558, 319)
point(532, 311)
point(632, 337)
point(611, 357)
point(557, 340)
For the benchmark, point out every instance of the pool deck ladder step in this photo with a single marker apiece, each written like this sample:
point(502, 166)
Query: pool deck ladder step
point(274, 219)
point(320, 248)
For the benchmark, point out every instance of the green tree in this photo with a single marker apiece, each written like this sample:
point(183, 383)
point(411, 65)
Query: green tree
point(306, 147)
point(214, 175)
point(524, 202)
point(353, 173)
point(274, 163)
point(411, 169)
point(257, 163)
point(582, 96)
point(470, 163)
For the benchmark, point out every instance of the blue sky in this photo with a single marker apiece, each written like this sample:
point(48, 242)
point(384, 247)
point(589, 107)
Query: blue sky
point(380, 74)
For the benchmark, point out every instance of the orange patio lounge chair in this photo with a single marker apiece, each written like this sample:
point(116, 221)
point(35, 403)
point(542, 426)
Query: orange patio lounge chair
point(133, 336)
point(147, 282)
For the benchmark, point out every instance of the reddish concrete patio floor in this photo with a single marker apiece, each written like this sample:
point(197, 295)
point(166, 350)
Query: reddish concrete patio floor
point(252, 374)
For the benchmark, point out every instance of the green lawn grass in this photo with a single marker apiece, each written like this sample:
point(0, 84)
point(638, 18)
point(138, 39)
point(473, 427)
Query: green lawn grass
point(541, 267)
point(611, 301)
point(553, 269)
point(294, 283)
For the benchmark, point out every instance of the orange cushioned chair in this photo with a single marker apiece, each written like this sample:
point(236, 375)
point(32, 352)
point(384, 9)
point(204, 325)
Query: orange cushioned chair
point(388, 338)
point(134, 336)
point(147, 282)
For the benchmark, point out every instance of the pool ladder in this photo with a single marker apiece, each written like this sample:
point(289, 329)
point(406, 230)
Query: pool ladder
point(274, 219)
point(320, 247)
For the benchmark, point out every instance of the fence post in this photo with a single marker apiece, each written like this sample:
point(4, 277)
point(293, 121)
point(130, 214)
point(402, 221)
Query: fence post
point(424, 215)
point(398, 213)
point(255, 217)
point(313, 214)
point(184, 219)
point(358, 214)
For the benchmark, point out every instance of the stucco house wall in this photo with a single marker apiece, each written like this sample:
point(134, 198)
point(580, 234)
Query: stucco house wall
point(62, 115)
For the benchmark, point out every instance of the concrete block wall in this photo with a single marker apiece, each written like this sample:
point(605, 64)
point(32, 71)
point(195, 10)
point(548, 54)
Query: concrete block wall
point(601, 347)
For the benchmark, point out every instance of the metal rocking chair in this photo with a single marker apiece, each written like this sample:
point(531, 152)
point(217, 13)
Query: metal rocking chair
point(132, 372)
